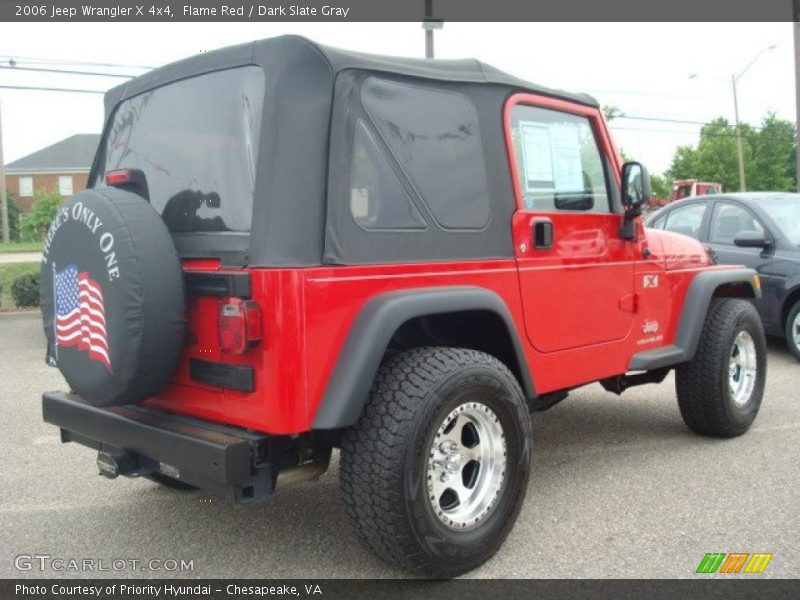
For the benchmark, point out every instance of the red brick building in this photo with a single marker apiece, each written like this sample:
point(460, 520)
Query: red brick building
point(64, 167)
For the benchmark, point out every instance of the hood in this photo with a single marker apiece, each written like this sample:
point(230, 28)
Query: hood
point(675, 250)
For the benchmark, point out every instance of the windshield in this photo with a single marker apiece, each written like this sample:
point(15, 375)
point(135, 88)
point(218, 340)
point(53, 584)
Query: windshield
point(785, 212)
point(196, 141)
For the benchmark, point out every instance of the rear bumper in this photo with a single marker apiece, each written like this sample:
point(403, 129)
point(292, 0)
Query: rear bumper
point(229, 462)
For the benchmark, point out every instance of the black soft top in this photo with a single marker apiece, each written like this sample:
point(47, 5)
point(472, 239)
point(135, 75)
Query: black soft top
point(300, 212)
point(263, 52)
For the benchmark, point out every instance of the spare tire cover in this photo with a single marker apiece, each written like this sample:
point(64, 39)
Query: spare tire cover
point(112, 297)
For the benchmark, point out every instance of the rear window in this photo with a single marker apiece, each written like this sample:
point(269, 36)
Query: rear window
point(196, 141)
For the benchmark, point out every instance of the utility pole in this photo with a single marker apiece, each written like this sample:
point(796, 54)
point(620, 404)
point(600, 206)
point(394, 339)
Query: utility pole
point(734, 80)
point(3, 198)
point(796, 24)
point(739, 147)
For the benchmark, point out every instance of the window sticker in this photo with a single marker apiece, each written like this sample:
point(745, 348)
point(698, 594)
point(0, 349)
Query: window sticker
point(551, 157)
point(568, 169)
point(537, 157)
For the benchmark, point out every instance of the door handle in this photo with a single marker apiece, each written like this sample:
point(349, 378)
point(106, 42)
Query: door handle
point(542, 233)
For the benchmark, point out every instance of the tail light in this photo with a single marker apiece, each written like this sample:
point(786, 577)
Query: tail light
point(133, 180)
point(239, 325)
point(118, 177)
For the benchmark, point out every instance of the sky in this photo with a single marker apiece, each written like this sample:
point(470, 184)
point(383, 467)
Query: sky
point(642, 68)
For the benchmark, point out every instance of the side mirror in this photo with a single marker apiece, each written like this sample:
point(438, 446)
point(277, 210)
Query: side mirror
point(636, 188)
point(636, 191)
point(752, 239)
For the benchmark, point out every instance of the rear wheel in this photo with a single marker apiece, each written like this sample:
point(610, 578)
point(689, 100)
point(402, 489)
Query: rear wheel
point(793, 330)
point(720, 389)
point(435, 471)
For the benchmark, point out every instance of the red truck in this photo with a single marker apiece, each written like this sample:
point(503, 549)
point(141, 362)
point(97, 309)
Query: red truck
point(685, 188)
point(287, 249)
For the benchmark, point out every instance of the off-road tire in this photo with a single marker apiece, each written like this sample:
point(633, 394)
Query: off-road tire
point(791, 320)
point(175, 484)
point(385, 458)
point(705, 396)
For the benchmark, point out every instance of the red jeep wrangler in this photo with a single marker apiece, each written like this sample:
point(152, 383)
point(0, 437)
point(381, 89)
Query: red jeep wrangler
point(287, 248)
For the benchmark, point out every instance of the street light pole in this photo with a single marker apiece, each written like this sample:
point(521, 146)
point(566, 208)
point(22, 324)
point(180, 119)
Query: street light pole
point(796, 6)
point(3, 198)
point(429, 43)
point(734, 80)
point(428, 29)
point(429, 24)
point(739, 146)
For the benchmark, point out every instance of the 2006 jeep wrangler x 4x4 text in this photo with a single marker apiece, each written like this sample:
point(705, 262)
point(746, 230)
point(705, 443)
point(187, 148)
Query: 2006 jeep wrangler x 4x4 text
point(287, 248)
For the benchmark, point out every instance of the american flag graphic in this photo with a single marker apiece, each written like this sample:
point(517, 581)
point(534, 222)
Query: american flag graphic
point(80, 314)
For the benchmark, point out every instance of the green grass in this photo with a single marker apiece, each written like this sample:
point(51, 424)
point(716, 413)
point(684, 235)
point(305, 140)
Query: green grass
point(8, 273)
point(20, 247)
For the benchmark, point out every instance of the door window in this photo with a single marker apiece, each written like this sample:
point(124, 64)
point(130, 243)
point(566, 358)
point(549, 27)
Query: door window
point(686, 220)
point(559, 165)
point(728, 220)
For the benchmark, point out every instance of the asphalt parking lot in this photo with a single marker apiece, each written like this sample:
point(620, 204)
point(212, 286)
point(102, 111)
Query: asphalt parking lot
point(620, 488)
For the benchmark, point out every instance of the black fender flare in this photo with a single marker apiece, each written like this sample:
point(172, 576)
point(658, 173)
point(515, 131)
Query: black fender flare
point(693, 315)
point(372, 331)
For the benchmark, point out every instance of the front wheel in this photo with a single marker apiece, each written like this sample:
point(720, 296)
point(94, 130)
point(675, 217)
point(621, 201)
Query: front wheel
point(720, 389)
point(435, 471)
point(793, 330)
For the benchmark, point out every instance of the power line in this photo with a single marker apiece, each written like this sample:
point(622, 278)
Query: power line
point(660, 119)
point(650, 94)
point(56, 61)
point(678, 121)
point(65, 71)
point(700, 133)
point(49, 89)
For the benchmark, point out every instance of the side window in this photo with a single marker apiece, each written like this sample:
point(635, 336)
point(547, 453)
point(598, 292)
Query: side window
point(686, 220)
point(435, 136)
point(378, 199)
point(728, 220)
point(659, 222)
point(559, 165)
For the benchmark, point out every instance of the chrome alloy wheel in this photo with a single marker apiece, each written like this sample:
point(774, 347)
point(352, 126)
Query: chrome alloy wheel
point(795, 331)
point(743, 368)
point(466, 466)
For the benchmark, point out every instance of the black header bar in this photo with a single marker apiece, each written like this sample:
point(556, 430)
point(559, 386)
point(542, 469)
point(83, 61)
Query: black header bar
point(392, 589)
point(397, 10)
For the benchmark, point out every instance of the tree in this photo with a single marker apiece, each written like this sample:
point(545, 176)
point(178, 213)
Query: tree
point(13, 216)
point(660, 185)
point(625, 158)
point(43, 212)
point(768, 155)
point(683, 164)
point(772, 156)
point(612, 112)
point(716, 158)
